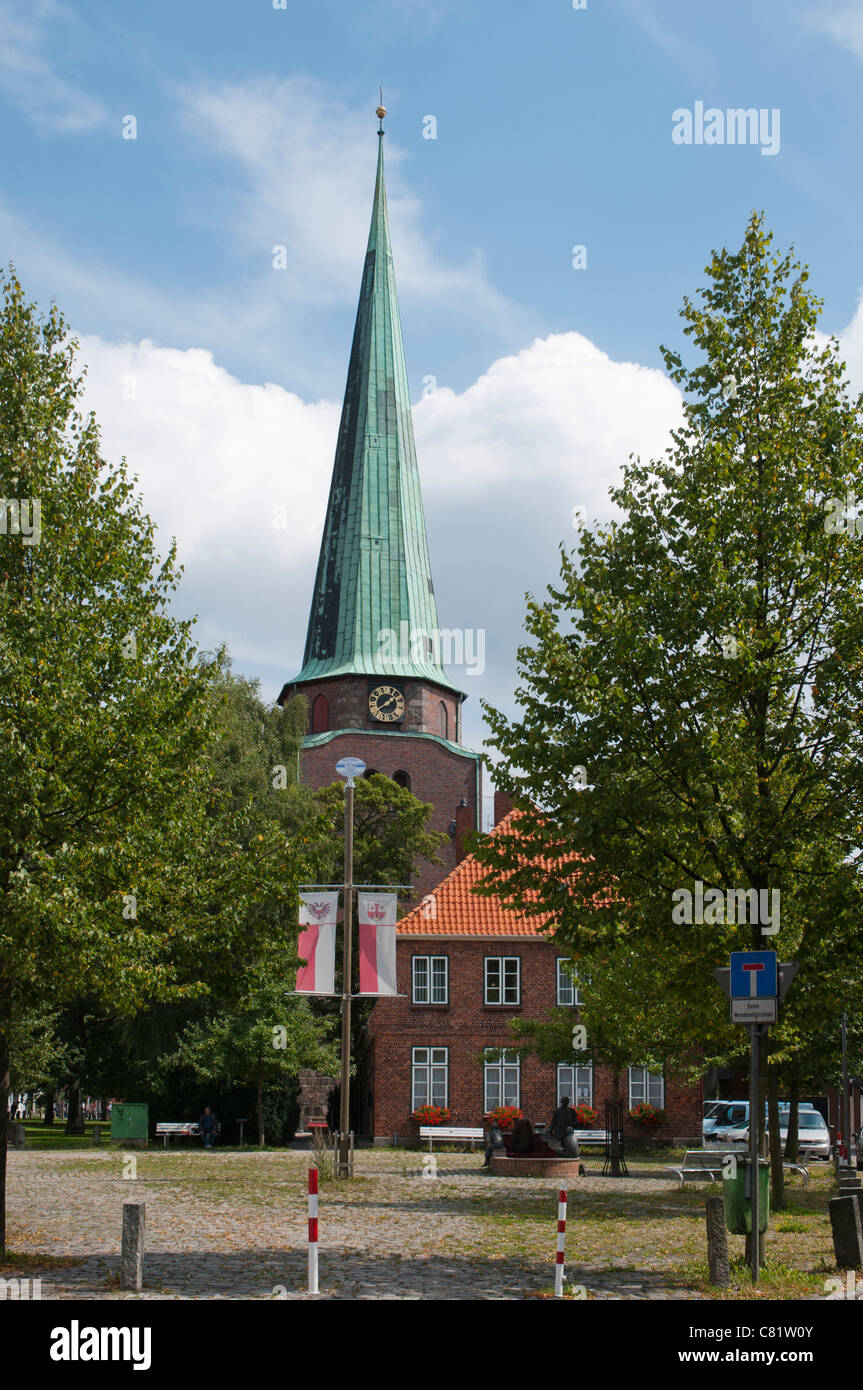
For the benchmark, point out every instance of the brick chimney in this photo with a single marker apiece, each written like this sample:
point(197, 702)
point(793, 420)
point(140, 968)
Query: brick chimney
point(502, 806)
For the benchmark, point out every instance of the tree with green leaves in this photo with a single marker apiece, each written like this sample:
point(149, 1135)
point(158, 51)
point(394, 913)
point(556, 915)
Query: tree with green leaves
point(122, 868)
point(263, 1040)
point(700, 660)
point(390, 832)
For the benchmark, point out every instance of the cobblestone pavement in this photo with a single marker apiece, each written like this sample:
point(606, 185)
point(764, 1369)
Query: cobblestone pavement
point(231, 1225)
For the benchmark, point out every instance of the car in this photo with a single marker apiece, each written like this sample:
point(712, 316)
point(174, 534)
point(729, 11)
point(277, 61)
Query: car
point(813, 1136)
point(726, 1112)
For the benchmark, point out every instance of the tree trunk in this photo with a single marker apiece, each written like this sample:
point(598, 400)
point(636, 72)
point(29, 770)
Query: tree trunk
point(5, 1031)
point(260, 1114)
point(48, 1118)
point(777, 1173)
point(75, 1119)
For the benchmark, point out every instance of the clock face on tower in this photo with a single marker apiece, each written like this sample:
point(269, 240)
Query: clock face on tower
point(386, 703)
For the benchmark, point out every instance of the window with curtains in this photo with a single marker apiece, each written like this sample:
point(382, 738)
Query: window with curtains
point(429, 1076)
point(502, 980)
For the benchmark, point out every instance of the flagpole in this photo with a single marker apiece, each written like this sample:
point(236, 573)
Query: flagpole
point(345, 1095)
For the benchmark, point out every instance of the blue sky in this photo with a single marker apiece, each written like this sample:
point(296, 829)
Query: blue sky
point(255, 128)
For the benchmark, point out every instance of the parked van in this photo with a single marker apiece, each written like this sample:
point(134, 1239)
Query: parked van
point(734, 1114)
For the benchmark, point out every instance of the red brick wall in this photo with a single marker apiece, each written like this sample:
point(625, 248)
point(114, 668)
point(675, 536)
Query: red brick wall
point(465, 1026)
point(348, 699)
point(438, 776)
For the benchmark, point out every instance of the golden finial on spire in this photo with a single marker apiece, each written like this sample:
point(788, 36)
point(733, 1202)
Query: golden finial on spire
point(381, 112)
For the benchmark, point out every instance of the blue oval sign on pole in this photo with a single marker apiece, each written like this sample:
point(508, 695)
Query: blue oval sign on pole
point(350, 768)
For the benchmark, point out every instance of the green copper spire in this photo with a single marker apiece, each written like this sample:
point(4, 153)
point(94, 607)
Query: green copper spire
point(373, 610)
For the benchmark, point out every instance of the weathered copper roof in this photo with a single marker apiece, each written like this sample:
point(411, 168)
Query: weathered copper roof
point(374, 573)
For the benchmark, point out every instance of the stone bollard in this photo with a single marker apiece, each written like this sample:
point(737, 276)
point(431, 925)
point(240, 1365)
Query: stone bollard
point(97, 1135)
point(17, 1135)
point(132, 1251)
point(717, 1243)
point(847, 1231)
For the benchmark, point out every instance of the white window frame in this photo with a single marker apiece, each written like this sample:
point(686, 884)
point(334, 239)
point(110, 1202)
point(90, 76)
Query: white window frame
point(647, 1083)
point(429, 1067)
point(433, 973)
point(569, 1080)
point(501, 963)
point(501, 1072)
point(566, 985)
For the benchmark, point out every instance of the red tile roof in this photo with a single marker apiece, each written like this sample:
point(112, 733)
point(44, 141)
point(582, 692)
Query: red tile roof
point(454, 910)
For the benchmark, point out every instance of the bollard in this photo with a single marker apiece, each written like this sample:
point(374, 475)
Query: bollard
point(719, 1271)
point(561, 1243)
point(132, 1249)
point(313, 1230)
point(847, 1231)
point(97, 1135)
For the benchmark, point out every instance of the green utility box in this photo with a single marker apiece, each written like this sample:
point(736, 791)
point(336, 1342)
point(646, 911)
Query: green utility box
point(736, 1191)
point(130, 1122)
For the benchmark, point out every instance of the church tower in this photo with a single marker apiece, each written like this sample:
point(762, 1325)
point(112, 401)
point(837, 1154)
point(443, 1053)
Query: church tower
point(372, 672)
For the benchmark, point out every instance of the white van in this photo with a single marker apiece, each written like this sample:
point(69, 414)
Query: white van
point(734, 1114)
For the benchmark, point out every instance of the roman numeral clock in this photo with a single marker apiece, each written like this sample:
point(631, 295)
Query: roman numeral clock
point(386, 703)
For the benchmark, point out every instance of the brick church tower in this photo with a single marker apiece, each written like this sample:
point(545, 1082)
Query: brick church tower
point(372, 671)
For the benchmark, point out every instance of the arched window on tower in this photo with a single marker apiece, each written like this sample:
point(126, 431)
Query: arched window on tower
point(403, 780)
point(442, 720)
point(371, 772)
point(320, 715)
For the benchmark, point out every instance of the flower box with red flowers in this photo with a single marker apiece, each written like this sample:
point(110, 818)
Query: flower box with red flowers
point(586, 1116)
point(431, 1115)
point(648, 1116)
point(504, 1116)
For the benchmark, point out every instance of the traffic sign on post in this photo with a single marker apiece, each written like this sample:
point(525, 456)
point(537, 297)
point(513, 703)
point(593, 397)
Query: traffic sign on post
point(754, 975)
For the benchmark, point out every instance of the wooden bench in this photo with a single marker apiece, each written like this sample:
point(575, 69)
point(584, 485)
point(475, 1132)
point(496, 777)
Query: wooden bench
point(449, 1134)
point(186, 1129)
point(702, 1163)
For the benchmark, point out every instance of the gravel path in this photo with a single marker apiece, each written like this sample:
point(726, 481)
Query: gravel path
point(232, 1225)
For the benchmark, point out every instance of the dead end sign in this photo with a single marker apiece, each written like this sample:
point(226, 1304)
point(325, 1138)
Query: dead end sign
point(754, 975)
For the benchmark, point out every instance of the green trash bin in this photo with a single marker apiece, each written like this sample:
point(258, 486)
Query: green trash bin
point(130, 1122)
point(738, 1202)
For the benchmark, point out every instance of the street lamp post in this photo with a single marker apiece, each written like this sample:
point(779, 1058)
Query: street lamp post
point(345, 1093)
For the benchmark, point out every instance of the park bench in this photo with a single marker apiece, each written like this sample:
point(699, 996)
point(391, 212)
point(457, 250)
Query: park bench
point(591, 1136)
point(185, 1129)
point(701, 1163)
point(450, 1134)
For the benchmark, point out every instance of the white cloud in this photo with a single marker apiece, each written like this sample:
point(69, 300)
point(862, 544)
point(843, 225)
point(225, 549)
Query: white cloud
point(844, 25)
point(502, 465)
point(308, 162)
point(216, 459)
point(27, 76)
point(560, 415)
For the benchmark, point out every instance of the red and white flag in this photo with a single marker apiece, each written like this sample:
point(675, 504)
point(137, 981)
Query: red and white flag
point(377, 929)
point(317, 943)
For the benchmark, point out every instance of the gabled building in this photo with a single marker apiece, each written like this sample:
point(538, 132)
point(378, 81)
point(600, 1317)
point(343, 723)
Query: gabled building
point(466, 966)
point(372, 671)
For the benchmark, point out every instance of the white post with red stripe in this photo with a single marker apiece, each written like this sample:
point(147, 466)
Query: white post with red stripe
point(313, 1230)
point(561, 1243)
